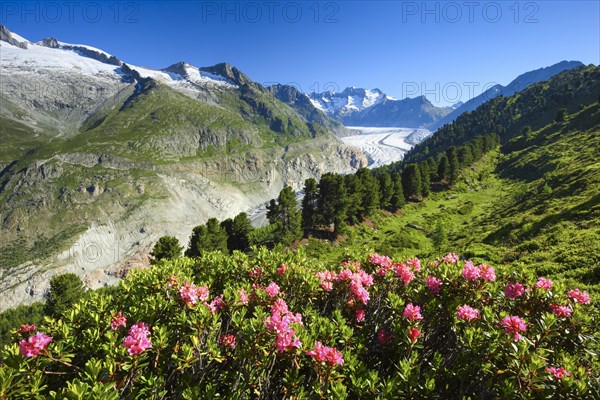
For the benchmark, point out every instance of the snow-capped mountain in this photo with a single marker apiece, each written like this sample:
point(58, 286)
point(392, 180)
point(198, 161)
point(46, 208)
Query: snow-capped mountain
point(372, 107)
point(347, 102)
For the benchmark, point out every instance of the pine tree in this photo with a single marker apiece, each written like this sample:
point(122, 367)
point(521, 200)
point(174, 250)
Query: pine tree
point(333, 201)
point(433, 169)
point(411, 182)
point(443, 167)
point(310, 215)
point(465, 158)
point(454, 165)
point(167, 248)
point(65, 290)
point(386, 189)
point(238, 232)
point(285, 215)
point(398, 199)
point(440, 237)
point(354, 192)
point(209, 237)
point(425, 182)
point(369, 192)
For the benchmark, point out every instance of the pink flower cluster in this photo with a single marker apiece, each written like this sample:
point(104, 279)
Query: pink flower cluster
point(403, 272)
point(117, 320)
point(413, 334)
point(327, 278)
point(244, 299)
point(434, 284)
point(227, 340)
point(281, 270)
point(514, 290)
point(414, 263)
point(279, 322)
point(272, 290)
point(382, 261)
point(558, 372)
point(35, 344)
point(138, 340)
point(579, 297)
point(330, 354)
point(360, 315)
point(472, 272)
point(412, 312)
point(26, 328)
point(190, 294)
point(356, 280)
point(561, 311)
point(216, 305)
point(514, 325)
point(467, 313)
point(255, 273)
point(450, 258)
point(543, 283)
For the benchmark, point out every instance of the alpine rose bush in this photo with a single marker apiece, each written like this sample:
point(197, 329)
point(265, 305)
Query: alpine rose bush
point(282, 325)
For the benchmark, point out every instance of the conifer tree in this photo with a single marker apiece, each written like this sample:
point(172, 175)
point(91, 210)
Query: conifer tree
point(333, 201)
point(167, 247)
point(310, 201)
point(398, 199)
point(411, 182)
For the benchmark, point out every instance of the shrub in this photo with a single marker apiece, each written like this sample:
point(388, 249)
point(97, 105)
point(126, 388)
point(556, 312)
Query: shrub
point(272, 325)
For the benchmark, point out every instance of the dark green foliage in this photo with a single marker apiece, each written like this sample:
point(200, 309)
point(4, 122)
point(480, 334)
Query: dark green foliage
point(443, 171)
point(355, 198)
point(561, 115)
point(433, 169)
point(536, 106)
point(425, 182)
point(65, 290)
point(285, 214)
point(411, 182)
point(14, 317)
point(386, 189)
point(209, 237)
point(369, 193)
point(166, 248)
point(238, 232)
point(465, 156)
point(454, 166)
point(310, 201)
point(398, 199)
point(333, 201)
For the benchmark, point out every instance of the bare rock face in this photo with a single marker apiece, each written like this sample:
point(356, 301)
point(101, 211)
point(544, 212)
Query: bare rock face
point(6, 36)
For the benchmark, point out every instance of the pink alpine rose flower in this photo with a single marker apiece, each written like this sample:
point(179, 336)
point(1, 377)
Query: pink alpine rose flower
point(281, 270)
point(543, 283)
point(467, 313)
point(382, 261)
point(327, 278)
point(34, 345)
point(244, 299)
point(360, 315)
point(227, 340)
point(470, 272)
point(434, 285)
point(412, 312)
point(413, 334)
point(117, 320)
point(561, 311)
point(558, 372)
point(138, 340)
point(404, 273)
point(26, 328)
point(514, 290)
point(415, 263)
point(272, 290)
point(579, 297)
point(487, 273)
point(514, 325)
point(190, 294)
point(450, 258)
point(322, 353)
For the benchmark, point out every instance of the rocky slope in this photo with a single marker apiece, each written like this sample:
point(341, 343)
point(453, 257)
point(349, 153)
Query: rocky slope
point(100, 158)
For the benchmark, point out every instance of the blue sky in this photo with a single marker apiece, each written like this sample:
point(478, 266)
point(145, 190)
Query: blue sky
point(447, 50)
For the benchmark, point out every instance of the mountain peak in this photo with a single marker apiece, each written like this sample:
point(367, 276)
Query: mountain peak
point(50, 42)
point(7, 36)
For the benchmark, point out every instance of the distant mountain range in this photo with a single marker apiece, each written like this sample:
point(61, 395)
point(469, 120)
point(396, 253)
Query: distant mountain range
point(373, 108)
